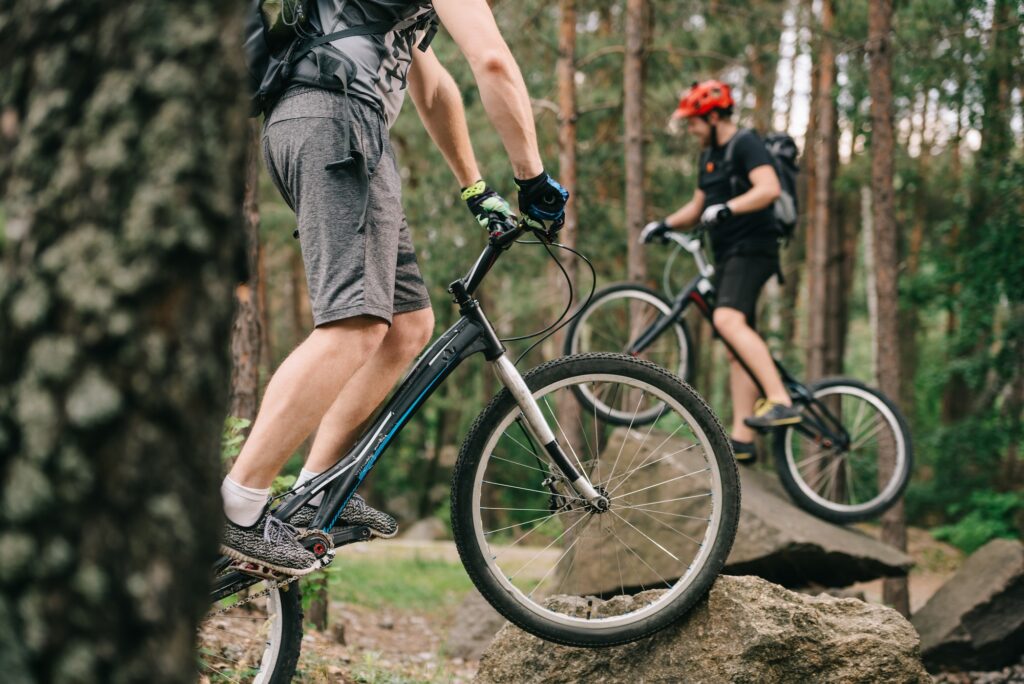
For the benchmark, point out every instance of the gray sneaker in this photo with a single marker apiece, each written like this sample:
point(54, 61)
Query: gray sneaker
point(269, 543)
point(356, 512)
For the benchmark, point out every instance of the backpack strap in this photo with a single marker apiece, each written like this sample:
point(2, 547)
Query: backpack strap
point(730, 151)
point(374, 28)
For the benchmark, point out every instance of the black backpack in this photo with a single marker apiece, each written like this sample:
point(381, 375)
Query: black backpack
point(281, 34)
point(783, 152)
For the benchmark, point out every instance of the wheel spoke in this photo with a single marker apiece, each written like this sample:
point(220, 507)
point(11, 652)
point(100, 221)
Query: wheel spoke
point(644, 489)
point(643, 534)
point(879, 423)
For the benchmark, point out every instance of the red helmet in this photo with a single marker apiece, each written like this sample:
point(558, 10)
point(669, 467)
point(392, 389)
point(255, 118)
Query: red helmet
point(704, 98)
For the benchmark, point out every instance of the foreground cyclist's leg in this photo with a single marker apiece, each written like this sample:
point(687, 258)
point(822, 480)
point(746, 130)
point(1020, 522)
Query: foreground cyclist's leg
point(342, 423)
point(298, 395)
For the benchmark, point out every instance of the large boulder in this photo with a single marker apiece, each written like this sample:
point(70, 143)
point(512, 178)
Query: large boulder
point(473, 628)
point(976, 619)
point(776, 540)
point(748, 630)
point(784, 544)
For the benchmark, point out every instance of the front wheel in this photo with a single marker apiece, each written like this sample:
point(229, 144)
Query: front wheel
point(851, 458)
point(616, 318)
point(564, 570)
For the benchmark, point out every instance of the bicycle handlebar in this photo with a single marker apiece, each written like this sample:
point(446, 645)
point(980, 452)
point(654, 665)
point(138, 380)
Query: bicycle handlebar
point(691, 242)
point(497, 244)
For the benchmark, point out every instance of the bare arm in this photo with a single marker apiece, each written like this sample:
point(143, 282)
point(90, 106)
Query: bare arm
point(687, 215)
point(439, 105)
point(502, 89)
point(764, 190)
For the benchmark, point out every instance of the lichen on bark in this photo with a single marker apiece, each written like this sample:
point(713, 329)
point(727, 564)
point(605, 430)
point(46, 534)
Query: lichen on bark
point(121, 193)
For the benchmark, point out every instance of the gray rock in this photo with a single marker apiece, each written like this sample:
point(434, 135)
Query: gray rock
point(784, 544)
point(748, 630)
point(976, 619)
point(427, 529)
point(776, 540)
point(473, 629)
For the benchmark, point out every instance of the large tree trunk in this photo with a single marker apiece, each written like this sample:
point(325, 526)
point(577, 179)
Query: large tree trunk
point(887, 335)
point(821, 233)
point(246, 335)
point(637, 18)
point(122, 247)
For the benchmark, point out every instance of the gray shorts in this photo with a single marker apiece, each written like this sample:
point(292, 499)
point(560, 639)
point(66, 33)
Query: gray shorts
point(355, 240)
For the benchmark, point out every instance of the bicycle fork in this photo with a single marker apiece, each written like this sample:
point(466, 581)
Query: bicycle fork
point(510, 378)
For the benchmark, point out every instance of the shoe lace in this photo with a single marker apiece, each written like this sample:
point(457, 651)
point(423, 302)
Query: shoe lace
point(278, 531)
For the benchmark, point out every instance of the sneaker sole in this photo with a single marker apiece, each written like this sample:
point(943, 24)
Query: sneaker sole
point(778, 423)
point(291, 572)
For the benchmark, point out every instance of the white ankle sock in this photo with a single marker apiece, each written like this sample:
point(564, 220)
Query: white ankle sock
point(304, 477)
point(242, 505)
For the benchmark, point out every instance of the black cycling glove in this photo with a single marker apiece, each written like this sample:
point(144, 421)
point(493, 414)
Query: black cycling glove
point(542, 199)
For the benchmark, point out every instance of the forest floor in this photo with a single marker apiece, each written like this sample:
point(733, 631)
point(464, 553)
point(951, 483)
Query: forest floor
point(395, 601)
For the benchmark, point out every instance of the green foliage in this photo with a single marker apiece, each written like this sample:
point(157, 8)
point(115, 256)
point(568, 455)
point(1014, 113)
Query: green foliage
point(233, 437)
point(400, 583)
point(371, 671)
point(985, 516)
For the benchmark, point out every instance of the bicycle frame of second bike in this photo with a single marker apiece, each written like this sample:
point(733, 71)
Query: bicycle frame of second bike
point(819, 421)
point(471, 334)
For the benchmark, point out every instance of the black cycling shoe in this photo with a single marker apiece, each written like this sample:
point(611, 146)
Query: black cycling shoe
point(746, 452)
point(768, 415)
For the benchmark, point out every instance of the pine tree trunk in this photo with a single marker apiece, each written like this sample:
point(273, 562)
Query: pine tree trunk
point(121, 251)
point(637, 18)
point(887, 336)
point(246, 336)
point(821, 233)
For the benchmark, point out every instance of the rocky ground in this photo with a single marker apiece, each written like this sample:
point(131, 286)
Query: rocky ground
point(398, 645)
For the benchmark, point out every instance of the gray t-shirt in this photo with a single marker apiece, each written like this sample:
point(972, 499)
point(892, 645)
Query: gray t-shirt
point(382, 61)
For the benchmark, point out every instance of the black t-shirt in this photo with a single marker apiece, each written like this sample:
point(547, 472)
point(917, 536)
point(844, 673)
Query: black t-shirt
point(754, 232)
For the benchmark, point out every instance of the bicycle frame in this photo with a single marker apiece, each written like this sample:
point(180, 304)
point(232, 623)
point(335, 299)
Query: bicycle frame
point(470, 335)
point(819, 422)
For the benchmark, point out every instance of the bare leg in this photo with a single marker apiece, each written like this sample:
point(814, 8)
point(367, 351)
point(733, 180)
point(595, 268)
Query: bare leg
point(744, 394)
point(343, 422)
point(732, 326)
point(300, 393)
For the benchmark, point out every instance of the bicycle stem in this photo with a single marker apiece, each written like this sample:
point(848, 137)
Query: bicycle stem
point(510, 378)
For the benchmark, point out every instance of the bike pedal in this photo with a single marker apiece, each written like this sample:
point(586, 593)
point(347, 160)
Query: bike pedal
point(256, 570)
point(351, 535)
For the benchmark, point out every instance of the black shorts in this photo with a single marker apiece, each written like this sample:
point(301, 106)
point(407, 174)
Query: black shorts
point(739, 279)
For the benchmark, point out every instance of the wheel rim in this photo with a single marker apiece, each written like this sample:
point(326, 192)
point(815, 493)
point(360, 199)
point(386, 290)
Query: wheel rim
point(823, 472)
point(507, 567)
point(243, 644)
point(603, 333)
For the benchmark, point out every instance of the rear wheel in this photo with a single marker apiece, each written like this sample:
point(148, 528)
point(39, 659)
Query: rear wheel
point(555, 566)
point(252, 640)
point(840, 474)
point(614, 319)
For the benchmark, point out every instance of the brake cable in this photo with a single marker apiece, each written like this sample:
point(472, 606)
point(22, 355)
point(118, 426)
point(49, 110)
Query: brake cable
point(564, 319)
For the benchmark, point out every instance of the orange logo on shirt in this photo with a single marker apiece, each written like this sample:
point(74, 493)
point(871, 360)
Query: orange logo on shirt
point(710, 167)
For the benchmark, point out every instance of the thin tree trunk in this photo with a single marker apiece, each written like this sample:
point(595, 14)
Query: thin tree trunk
point(895, 591)
point(637, 17)
point(870, 282)
point(246, 336)
point(568, 407)
point(821, 231)
point(121, 249)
